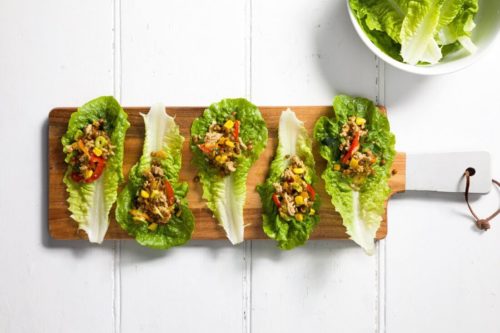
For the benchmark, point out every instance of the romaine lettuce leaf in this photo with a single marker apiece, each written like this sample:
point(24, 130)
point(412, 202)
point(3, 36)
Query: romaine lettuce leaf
point(417, 32)
point(361, 210)
point(293, 140)
point(90, 204)
point(162, 133)
point(226, 195)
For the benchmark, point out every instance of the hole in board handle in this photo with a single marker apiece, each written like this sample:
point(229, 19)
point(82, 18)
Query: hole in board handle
point(471, 171)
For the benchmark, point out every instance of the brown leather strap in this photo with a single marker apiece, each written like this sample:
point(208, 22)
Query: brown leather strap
point(483, 224)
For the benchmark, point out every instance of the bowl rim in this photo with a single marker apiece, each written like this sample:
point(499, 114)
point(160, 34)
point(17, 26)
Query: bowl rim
point(429, 70)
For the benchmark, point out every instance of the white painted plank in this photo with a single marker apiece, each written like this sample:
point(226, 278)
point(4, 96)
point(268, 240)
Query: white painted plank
point(442, 274)
point(183, 53)
point(194, 288)
point(52, 53)
point(305, 52)
point(326, 286)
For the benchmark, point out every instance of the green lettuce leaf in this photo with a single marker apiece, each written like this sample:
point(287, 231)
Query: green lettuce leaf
point(90, 204)
point(417, 32)
point(226, 195)
point(162, 133)
point(361, 210)
point(293, 140)
point(460, 27)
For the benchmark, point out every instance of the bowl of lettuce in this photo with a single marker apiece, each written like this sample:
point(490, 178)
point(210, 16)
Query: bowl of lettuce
point(427, 37)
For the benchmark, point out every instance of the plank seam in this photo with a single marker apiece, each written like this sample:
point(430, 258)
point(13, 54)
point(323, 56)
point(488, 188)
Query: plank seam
point(116, 283)
point(248, 49)
point(247, 254)
point(380, 302)
point(117, 92)
point(247, 287)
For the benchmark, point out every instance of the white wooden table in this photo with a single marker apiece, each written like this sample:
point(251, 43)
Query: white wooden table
point(433, 273)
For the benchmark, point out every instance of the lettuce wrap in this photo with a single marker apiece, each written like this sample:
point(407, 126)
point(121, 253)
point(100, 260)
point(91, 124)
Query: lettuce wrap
point(289, 203)
point(152, 207)
point(94, 164)
point(226, 140)
point(359, 149)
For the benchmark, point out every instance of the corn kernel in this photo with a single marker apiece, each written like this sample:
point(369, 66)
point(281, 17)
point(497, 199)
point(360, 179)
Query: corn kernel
point(97, 151)
point(305, 195)
point(229, 124)
point(88, 174)
point(144, 194)
point(298, 171)
point(354, 163)
point(155, 194)
point(297, 187)
point(159, 154)
point(336, 167)
point(299, 217)
point(230, 143)
point(360, 121)
point(312, 211)
point(153, 226)
point(218, 158)
point(299, 200)
point(223, 159)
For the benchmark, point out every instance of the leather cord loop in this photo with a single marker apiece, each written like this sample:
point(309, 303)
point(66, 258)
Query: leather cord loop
point(482, 224)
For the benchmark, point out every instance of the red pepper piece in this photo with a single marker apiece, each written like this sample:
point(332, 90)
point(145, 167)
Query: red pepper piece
point(170, 193)
point(99, 163)
point(76, 177)
point(311, 192)
point(276, 200)
point(352, 149)
point(236, 131)
point(205, 149)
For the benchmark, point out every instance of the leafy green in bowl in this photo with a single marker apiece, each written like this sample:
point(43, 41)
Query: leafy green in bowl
point(426, 36)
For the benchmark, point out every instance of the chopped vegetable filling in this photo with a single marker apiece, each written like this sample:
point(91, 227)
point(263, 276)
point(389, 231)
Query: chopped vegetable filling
point(89, 151)
point(155, 201)
point(355, 161)
point(294, 197)
point(222, 145)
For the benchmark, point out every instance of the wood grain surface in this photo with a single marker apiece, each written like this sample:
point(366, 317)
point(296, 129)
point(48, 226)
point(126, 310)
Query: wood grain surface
point(61, 226)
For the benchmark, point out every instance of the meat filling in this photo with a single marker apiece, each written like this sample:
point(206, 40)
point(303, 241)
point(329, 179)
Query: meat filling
point(293, 196)
point(89, 152)
point(355, 161)
point(155, 201)
point(222, 145)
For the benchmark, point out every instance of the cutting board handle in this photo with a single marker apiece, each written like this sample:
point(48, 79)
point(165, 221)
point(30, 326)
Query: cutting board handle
point(444, 172)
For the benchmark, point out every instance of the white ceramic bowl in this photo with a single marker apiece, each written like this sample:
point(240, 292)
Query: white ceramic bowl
point(486, 31)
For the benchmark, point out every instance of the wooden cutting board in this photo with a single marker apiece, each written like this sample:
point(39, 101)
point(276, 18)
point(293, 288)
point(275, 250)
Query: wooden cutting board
point(61, 226)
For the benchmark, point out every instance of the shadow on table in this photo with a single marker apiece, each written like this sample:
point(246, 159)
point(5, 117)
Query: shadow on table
point(339, 49)
point(135, 253)
point(445, 198)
